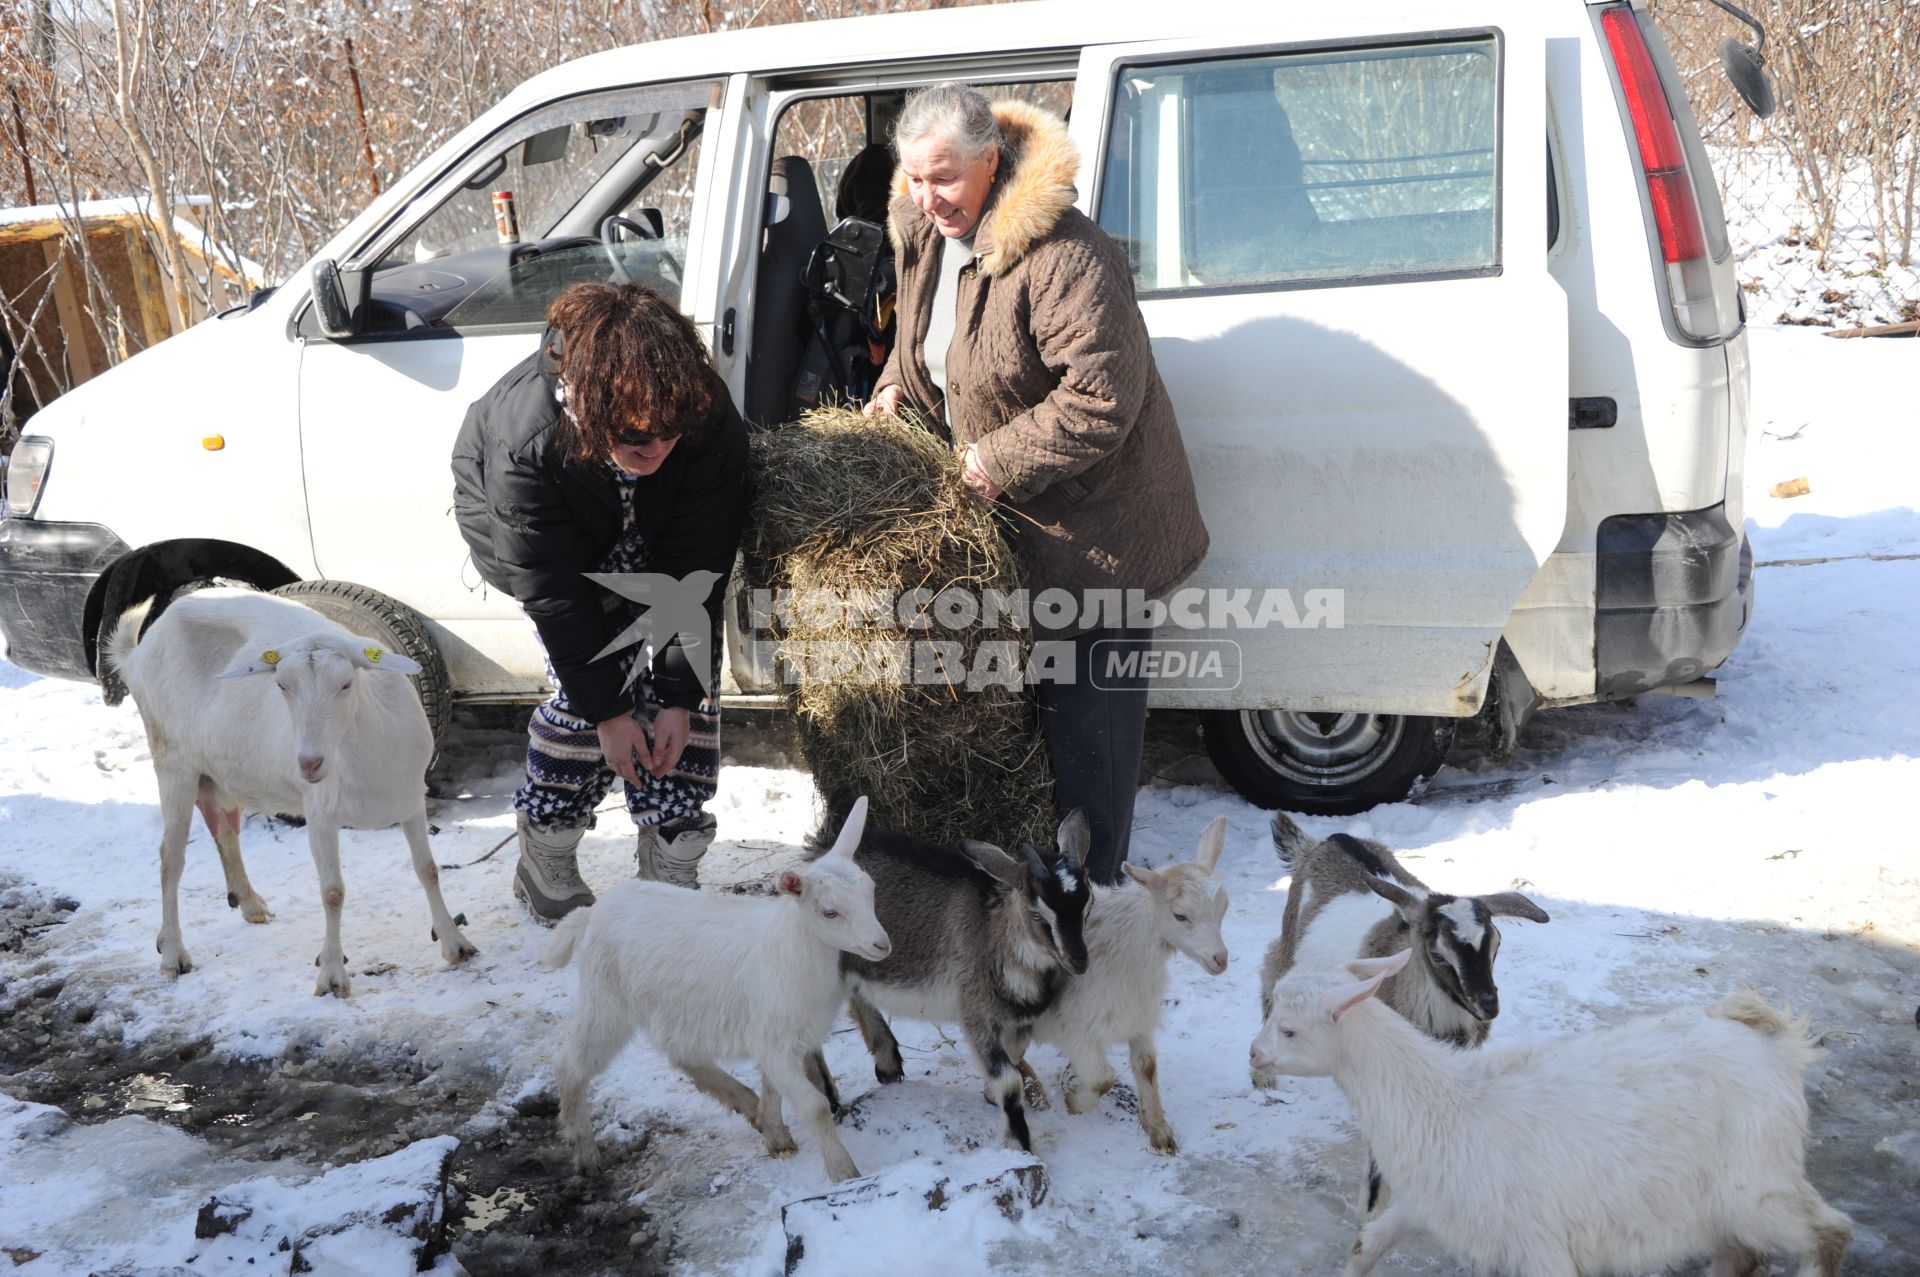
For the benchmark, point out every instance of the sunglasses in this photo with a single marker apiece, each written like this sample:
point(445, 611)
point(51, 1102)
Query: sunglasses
point(640, 438)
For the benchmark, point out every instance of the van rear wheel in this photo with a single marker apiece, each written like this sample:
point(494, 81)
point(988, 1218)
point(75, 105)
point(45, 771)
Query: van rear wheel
point(1324, 764)
point(374, 615)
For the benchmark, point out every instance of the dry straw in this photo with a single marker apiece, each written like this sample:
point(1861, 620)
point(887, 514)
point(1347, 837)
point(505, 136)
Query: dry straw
point(873, 507)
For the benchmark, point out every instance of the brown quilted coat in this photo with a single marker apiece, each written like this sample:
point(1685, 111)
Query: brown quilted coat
point(1052, 376)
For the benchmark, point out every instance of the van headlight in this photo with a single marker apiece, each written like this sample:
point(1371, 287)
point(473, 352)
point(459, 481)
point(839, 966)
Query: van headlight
point(25, 474)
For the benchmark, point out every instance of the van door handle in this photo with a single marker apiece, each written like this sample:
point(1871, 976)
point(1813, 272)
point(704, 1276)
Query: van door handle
point(1597, 413)
point(726, 332)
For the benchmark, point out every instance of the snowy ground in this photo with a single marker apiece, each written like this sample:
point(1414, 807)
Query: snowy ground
point(1683, 848)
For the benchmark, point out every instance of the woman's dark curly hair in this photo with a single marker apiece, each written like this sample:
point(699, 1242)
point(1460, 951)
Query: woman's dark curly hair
point(631, 361)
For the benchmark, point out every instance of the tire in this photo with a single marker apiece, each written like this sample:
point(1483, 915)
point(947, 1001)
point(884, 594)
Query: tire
point(1324, 764)
point(373, 614)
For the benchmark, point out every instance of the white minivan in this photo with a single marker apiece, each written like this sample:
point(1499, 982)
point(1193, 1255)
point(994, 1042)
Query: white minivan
point(1442, 293)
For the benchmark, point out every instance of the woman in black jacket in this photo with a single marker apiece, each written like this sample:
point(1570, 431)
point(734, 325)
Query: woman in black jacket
point(613, 450)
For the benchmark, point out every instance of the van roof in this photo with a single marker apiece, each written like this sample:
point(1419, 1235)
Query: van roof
point(1036, 26)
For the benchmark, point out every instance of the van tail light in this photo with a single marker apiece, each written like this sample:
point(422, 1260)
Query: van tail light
point(1663, 162)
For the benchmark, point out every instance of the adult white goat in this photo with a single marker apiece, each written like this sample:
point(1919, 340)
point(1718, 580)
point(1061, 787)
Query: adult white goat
point(714, 977)
point(1622, 1150)
point(1132, 931)
point(256, 702)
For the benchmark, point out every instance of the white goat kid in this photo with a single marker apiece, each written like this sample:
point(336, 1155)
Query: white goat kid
point(714, 977)
point(1132, 930)
point(1622, 1150)
point(256, 702)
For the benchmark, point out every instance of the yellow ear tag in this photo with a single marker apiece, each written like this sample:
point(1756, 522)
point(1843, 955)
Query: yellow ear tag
point(373, 655)
point(270, 656)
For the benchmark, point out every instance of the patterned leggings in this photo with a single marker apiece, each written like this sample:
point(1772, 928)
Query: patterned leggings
point(567, 778)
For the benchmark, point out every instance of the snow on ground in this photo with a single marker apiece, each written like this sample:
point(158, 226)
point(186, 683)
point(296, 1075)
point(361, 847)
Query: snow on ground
point(1683, 848)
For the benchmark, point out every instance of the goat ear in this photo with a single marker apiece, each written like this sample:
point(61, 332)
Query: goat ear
point(994, 862)
point(792, 884)
point(1151, 879)
point(1075, 838)
point(264, 663)
point(1511, 904)
point(851, 829)
point(1391, 891)
point(1213, 840)
point(1368, 968)
point(1337, 1002)
point(369, 654)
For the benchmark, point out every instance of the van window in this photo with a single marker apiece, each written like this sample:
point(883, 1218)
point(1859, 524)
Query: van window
point(492, 243)
point(1310, 168)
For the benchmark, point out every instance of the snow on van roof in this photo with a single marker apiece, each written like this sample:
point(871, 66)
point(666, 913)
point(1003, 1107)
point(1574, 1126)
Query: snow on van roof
point(1036, 26)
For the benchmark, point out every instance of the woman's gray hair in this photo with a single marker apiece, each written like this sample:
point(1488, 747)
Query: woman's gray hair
point(958, 113)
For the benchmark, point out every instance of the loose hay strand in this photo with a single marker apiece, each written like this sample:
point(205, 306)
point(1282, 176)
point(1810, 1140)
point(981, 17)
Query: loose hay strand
point(853, 505)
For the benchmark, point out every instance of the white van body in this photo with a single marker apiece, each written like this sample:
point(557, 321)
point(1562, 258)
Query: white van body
point(1482, 423)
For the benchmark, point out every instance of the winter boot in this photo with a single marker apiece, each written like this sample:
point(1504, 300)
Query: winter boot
point(671, 852)
point(548, 876)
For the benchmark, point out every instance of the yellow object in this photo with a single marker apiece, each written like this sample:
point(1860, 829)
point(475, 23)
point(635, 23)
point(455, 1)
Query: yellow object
point(373, 655)
point(213, 443)
point(270, 656)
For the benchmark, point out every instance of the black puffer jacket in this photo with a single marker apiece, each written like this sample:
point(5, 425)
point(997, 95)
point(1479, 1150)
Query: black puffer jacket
point(536, 522)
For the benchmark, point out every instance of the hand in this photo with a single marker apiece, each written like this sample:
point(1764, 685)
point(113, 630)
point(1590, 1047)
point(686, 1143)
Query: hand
point(623, 743)
point(975, 476)
point(671, 727)
point(886, 399)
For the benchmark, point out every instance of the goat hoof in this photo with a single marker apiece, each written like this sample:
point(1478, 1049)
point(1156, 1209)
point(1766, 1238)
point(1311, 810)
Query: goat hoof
point(1163, 1143)
point(457, 950)
point(587, 1164)
point(889, 1073)
point(233, 900)
point(254, 910)
point(781, 1147)
point(179, 964)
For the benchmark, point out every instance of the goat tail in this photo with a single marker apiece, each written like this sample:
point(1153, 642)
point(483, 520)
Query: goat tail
point(566, 936)
point(126, 634)
point(1289, 840)
point(1748, 1007)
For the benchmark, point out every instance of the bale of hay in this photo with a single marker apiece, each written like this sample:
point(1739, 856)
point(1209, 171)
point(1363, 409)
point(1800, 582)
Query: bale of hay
point(871, 510)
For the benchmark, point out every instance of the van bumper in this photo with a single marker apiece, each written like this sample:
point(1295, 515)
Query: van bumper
point(1672, 598)
point(46, 573)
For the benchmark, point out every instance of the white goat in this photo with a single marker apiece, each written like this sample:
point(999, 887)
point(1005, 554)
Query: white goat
point(1132, 930)
point(256, 702)
point(715, 977)
point(1622, 1150)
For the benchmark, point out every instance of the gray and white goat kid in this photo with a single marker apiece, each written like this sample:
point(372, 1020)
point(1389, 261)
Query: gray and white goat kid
point(715, 977)
point(1352, 899)
point(981, 938)
point(256, 702)
point(1623, 1150)
point(1132, 931)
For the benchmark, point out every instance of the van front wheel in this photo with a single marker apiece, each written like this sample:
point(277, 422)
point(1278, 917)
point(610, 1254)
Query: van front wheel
point(374, 615)
point(1324, 764)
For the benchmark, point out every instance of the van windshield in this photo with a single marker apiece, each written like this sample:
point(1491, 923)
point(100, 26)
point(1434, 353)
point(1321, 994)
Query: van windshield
point(543, 176)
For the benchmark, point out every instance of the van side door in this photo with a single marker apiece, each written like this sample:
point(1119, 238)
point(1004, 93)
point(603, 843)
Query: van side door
point(1339, 244)
point(460, 287)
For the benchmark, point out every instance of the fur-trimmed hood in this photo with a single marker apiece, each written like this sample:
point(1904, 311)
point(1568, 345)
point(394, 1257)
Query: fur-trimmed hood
point(1035, 186)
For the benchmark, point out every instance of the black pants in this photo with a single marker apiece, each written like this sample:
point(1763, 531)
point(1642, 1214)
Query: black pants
point(1094, 728)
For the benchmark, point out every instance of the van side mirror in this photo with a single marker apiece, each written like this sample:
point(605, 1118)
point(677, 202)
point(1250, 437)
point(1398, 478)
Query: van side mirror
point(1746, 64)
point(340, 299)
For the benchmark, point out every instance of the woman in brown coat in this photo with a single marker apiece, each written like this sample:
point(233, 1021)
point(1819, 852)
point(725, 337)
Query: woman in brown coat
point(1019, 334)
